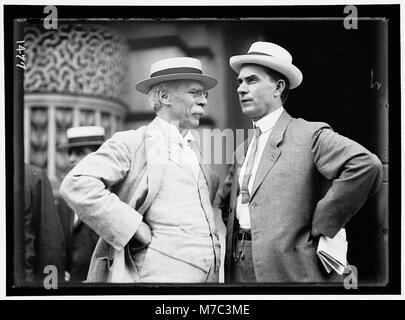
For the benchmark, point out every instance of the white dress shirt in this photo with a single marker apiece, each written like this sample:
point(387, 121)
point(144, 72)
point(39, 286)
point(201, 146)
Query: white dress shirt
point(266, 125)
point(179, 149)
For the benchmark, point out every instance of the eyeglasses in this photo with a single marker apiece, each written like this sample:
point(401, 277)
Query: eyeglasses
point(198, 93)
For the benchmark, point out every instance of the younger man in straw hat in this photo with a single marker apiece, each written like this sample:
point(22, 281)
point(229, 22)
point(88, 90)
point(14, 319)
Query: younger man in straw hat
point(157, 224)
point(80, 239)
point(272, 200)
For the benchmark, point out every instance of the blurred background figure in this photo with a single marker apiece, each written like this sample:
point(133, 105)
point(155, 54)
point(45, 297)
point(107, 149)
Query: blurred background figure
point(44, 241)
point(80, 239)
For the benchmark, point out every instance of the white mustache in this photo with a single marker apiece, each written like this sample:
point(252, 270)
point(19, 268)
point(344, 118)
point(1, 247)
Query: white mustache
point(197, 110)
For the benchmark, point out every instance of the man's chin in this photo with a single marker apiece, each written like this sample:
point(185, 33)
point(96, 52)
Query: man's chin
point(250, 112)
point(194, 123)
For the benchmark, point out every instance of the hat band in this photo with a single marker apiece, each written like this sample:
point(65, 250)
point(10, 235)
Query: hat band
point(175, 70)
point(89, 139)
point(260, 54)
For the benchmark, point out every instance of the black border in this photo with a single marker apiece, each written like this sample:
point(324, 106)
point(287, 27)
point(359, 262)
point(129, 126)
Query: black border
point(258, 309)
point(390, 12)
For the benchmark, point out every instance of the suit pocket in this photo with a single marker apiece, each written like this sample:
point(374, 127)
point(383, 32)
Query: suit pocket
point(103, 262)
point(100, 270)
point(303, 264)
point(309, 243)
point(139, 259)
point(312, 241)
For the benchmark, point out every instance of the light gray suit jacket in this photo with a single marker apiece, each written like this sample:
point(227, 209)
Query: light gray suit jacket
point(308, 176)
point(127, 163)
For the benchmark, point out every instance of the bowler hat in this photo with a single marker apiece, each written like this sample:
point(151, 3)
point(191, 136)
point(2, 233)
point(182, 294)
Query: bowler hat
point(84, 136)
point(272, 56)
point(179, 68)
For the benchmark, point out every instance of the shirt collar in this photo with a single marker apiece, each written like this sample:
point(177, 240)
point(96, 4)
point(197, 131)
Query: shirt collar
point(174, 134)
point(268, 122)
point(189, 136)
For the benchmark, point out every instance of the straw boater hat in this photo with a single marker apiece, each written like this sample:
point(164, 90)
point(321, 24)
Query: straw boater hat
point(84, 136)
point(272, 56)
point(180, 68)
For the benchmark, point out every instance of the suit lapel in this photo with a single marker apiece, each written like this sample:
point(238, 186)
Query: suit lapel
point(206, 170)
point(271, 151)
point(157, 157)
point(174, 149)
point(174, 156)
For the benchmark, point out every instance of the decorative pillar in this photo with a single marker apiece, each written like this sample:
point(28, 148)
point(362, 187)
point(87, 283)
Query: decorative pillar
point(75, 75)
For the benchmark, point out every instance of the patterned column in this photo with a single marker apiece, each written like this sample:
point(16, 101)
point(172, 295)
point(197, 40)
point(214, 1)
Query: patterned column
point(75, 75)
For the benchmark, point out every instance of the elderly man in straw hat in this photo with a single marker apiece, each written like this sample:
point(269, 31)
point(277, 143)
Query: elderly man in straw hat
point(80, 239)
point(157, 224)
point(272, 200)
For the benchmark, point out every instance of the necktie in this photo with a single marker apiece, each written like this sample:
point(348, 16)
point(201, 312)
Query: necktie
point(249, 165)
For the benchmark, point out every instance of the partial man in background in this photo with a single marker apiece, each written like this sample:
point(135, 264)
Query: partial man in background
point(157, 223)
point(80, 238)
point(292, 182)
point(44, 241)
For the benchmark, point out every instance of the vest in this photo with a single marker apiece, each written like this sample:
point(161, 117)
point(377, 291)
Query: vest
point(182, 219)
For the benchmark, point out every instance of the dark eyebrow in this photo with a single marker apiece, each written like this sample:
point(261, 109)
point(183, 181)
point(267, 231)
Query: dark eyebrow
point(250, 77)
point(253, 76)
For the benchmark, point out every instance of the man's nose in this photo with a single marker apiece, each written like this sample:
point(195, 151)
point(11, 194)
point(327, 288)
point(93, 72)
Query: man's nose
point(73, 158)
point(242, 88)
point(202, 101)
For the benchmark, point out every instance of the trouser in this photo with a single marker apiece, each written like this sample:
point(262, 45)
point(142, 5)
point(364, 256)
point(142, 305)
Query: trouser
point(242, 269)
point(159, 267)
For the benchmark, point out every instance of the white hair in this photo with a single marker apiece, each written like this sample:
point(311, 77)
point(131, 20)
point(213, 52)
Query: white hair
point(167, 87)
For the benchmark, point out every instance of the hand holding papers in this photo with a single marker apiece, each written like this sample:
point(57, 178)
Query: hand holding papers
point(332, 252)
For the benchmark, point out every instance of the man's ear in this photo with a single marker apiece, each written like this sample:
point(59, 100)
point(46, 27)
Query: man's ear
point(164, 97)
point(279, 87)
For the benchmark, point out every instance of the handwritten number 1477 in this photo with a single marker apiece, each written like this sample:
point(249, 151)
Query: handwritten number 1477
point(20, 55)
